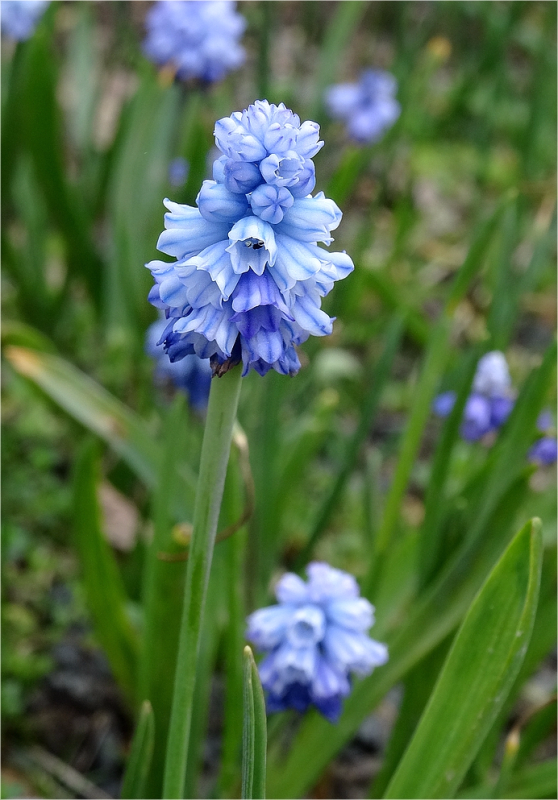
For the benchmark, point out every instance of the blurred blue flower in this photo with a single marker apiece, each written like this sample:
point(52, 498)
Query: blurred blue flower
point(544, 451)
point(492, 377)
point(249, 276)
point(489, 404)
point(544, 421)
point(178, 172)
point(191, 375)
point(315, 639)
point(444, 403)
point(199, 38)
point(19, 18)
point(368, 107)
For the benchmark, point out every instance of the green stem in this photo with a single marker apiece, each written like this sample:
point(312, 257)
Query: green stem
point(221, 412)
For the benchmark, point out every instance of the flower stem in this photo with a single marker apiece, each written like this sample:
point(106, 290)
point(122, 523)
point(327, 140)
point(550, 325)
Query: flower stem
point(221, 412)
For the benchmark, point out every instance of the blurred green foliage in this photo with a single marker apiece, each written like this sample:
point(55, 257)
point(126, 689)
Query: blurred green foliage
point(451, 221)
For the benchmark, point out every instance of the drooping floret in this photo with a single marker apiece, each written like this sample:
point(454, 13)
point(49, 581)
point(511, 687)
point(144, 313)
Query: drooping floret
point(191, 375)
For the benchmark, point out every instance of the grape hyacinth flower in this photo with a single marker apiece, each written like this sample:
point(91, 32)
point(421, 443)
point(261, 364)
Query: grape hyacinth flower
point(191, 375)
point(19, 18)
point(249, 273)
point(368, 107)
point(198, 38)
point(545, 450)
point(315, 639)
point(489, 404)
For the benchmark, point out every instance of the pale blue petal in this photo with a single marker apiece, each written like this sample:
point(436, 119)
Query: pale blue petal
point(173, 292)
point(290, 588)
point(306, 626)
point(311, 318)
point(217, 204)
point(217, 262)
point(327, 682)
point(307, 143)
point(267, 344)
point(356, 613)
point(198, 234)
point(267, 626)
point(310, 219)
point(328, 583)
point(294, 262)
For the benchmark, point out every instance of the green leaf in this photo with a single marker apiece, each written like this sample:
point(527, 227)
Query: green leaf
point(141, 753)
point(100, 412)
point(477, 676)
point(104, 589)
point(254, 739)
point(543, 641)
point(417, 689)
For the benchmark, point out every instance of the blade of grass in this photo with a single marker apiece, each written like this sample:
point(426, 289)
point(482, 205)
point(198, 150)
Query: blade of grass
point(254, 739)
point(139, 760)
point(434, 506)
point(96, 409)
point(104, 589)
point(505, 297)
point(162, 594)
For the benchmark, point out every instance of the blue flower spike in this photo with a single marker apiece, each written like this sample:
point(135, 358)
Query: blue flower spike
point(368, 107)
point(199, 39)
point(19, 18)
point(490, 402)
point(249, 273)
point(315, 640)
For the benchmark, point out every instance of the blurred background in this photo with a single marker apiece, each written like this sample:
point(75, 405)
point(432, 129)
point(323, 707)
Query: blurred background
point(90, 131)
